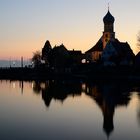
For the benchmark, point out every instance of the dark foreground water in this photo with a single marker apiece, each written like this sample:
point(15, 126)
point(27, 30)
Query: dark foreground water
point(69, 111)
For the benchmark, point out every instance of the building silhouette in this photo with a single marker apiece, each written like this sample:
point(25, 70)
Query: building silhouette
point(109, 49)
point(60, 58)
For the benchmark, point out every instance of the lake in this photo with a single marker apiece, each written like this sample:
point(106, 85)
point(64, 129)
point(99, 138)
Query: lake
point(69, 110)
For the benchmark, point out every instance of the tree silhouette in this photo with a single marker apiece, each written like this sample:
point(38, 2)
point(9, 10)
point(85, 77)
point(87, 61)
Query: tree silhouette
point(36, 59)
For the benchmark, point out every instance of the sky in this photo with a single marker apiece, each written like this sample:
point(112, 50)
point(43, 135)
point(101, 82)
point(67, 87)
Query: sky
point(25, 25)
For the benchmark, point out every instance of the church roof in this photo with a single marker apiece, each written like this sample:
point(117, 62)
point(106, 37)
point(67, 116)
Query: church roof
point(97, 47)
point(108, 18)
point(122, 48)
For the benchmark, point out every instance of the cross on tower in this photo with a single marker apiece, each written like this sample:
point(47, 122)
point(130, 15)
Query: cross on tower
point(108, 6)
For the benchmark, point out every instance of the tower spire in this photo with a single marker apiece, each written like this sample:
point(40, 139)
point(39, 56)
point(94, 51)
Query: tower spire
point(108, 33)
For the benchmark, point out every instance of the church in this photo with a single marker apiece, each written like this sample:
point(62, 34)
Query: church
point(108, 49)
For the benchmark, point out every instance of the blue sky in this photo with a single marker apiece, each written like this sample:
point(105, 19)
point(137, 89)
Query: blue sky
point(26, 24)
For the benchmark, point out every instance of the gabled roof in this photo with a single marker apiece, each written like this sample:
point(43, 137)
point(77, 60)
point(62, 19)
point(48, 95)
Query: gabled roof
point(122, 48)
point(97, 47)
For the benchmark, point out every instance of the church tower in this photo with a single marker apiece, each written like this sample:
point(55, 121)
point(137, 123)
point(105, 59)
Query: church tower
point(108, 33)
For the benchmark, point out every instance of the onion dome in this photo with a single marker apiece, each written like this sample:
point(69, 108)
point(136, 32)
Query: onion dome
point(108, 18)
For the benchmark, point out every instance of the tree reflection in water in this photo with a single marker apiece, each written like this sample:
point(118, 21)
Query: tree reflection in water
point(107, 96)
point(58, 90)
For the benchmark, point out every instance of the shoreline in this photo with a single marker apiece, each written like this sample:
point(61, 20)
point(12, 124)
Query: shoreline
point(82, 73)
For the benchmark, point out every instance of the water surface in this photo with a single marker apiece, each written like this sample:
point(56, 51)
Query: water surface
point(57, 110)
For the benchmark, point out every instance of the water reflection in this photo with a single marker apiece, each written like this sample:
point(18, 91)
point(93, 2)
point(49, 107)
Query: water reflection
point(107, 96)
point(57, 90)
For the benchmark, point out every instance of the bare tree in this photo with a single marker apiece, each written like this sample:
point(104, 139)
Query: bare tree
point(36, 59)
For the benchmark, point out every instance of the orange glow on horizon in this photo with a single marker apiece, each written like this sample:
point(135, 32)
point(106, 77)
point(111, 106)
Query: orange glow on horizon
point(26, 49)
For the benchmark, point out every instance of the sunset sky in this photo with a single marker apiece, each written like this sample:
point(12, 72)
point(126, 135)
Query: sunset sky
point(25, 25)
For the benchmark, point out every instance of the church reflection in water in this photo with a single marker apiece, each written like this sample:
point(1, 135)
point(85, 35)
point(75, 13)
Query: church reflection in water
point(107, 96)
